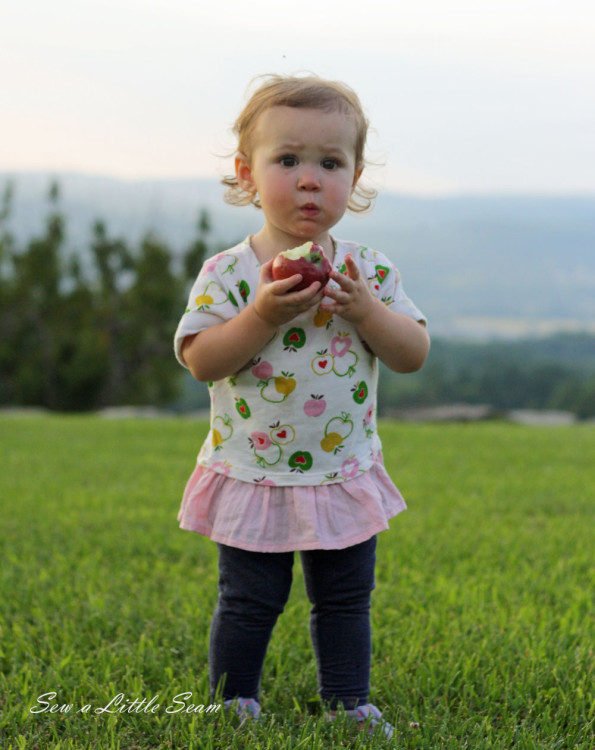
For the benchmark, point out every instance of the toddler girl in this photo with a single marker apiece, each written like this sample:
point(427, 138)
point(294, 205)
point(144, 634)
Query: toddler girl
point(293, 461)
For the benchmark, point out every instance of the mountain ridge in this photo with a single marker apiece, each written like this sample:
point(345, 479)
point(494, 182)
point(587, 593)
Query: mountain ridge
point(477, 265)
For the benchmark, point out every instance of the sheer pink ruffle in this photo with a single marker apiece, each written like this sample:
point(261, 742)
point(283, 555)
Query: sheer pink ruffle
point(261, 518)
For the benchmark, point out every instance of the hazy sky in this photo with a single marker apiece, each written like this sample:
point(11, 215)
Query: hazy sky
point(463, 95)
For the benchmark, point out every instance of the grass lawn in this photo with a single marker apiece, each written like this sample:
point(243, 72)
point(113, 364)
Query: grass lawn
point(483, 611)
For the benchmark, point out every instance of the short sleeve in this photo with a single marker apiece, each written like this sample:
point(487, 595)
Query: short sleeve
point(215, 297)
point(385, 283)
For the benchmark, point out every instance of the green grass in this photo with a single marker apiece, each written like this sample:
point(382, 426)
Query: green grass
point(482, 615)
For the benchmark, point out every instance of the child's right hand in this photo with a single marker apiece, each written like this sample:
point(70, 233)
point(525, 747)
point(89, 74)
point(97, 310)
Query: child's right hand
point(276, 304)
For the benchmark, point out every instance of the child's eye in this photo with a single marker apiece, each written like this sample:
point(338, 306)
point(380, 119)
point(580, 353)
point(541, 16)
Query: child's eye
point(288, 161)
point(330, 164)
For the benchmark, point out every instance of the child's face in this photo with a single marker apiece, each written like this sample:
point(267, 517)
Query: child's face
point(302, 164)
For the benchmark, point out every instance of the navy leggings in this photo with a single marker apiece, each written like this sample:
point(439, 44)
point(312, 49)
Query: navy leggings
point(253, 590)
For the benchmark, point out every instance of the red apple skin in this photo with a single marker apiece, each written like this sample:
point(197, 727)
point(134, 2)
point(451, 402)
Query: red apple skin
point(314, 266)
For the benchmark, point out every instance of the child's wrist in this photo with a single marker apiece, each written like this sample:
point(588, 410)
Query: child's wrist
point(262, 318)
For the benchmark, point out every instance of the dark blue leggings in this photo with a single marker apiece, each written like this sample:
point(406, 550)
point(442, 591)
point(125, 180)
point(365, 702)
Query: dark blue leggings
point(253, 590)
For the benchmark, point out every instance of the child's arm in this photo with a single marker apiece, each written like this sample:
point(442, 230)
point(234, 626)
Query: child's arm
point(401, 342)
point(222, 349)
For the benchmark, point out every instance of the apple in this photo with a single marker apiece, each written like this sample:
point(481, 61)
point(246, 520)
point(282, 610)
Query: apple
point(308, 260)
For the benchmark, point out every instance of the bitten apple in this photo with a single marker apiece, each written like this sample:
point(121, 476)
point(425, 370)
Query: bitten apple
point(309, 260)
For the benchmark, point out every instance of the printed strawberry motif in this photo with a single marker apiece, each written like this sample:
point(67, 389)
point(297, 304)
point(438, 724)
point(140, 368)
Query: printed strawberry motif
point(360, 392)
point(294, 339)
point(315, 406)
point(300, 461)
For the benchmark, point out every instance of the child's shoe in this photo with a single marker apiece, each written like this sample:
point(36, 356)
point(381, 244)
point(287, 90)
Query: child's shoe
point(248, 709)
point(369, 714)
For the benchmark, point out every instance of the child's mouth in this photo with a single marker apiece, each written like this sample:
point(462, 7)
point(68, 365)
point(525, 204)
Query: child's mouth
point(309, 209)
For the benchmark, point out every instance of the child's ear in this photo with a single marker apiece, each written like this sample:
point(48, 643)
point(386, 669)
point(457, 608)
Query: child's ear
point(358, 174)
point(244, 173)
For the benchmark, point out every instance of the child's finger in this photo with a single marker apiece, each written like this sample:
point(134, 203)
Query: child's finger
point(352, 269)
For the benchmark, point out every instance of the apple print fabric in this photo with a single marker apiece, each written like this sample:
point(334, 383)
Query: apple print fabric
point(303, 411)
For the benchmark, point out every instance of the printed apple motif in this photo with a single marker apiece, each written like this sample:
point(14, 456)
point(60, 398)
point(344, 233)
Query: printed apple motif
point(242, 408)
point(243, 289)
point(221, 431)
point(203, 300)
point(259, 441)
point(381, 272)
point(350, 467)
point(300, 461)
point(340, 345)
point(322, 363)
point(262, 370)
point(335, 432)
point(282, 434)
point(308, 260)
point(315, 406)
point(264, 482)
point(322, 318)
point(222, 467)
point(331, 442)
point(285, 383)
point(360, 392)
point(294, 339)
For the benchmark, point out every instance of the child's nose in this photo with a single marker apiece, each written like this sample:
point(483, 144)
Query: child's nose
point(308, 179)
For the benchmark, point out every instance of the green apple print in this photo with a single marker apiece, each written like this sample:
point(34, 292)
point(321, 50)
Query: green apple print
point(243, 289)
point(360, 392)
point(381, 272)
point(242, 408)
point(300, 461)
point(294, 339)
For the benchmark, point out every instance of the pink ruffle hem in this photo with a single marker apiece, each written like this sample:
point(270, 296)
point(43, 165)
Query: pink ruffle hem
point(264, 518)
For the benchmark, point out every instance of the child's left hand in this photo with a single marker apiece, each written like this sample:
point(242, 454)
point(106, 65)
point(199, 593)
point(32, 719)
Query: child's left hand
point(353, 300)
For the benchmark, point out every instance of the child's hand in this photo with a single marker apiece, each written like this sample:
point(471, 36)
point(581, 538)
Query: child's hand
point(354, 300)
point(276, 304)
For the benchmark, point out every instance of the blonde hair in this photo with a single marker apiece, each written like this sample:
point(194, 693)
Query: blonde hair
point(301, 92)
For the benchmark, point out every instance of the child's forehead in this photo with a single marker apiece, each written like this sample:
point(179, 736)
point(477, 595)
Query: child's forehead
point(303, 124)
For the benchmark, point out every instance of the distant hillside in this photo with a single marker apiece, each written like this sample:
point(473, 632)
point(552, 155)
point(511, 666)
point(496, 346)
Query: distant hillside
point(477, 266)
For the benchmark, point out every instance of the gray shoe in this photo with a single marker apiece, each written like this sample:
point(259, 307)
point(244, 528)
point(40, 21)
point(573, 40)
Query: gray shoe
point(247, 709)
point(369, 714)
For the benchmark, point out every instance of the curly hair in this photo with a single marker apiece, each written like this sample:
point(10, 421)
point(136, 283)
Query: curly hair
point(300, 92)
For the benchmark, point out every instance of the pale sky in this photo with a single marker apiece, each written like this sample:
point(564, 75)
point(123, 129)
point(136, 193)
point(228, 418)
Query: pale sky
point(463, 95)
